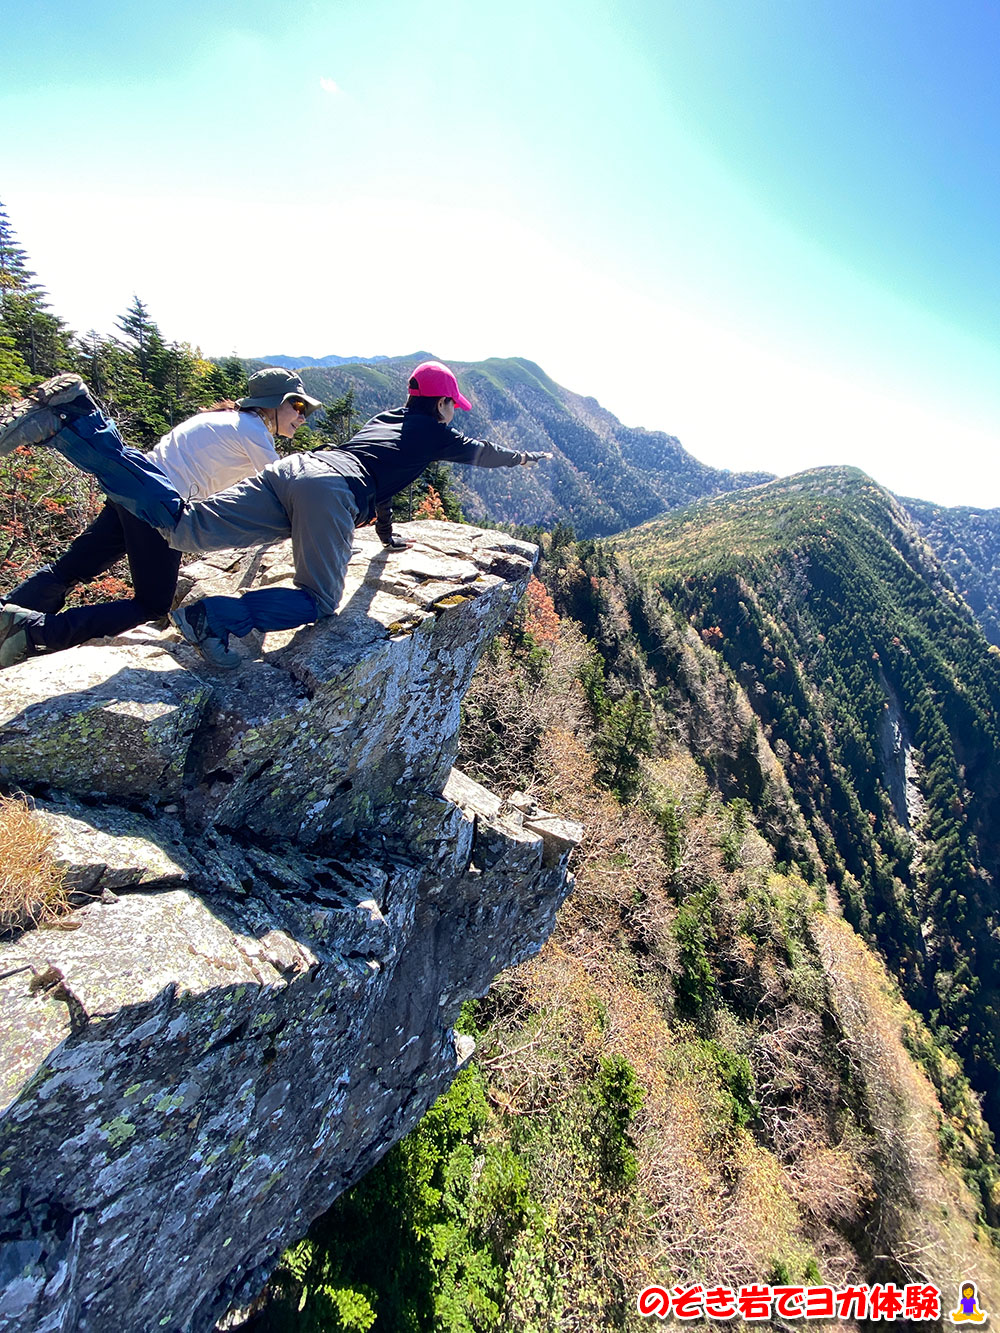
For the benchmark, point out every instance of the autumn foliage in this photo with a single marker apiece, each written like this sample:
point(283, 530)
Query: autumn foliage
point(540, 618)
point(431, 506)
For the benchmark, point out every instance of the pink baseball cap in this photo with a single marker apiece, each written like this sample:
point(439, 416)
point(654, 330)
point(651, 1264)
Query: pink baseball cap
point(435, 380)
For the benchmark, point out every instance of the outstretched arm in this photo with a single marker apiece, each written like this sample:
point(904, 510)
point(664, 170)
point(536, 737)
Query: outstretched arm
point(480, 453)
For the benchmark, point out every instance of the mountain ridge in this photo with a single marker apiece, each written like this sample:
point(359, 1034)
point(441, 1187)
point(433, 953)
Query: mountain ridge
point(603, 477)
point(874, 682)
point(297, 362)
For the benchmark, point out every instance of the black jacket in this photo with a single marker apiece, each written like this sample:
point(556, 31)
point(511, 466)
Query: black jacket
point(392, 449)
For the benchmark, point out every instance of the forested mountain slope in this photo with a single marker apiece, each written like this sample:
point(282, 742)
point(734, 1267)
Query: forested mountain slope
point(879, 693)
point(967, 541)
point(603, 477)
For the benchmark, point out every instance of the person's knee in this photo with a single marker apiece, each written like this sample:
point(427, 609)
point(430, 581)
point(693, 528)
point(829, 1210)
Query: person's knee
point(42, 591)
point(153, 608)
point(54, 578)
point(132, 612)
point(48, 573)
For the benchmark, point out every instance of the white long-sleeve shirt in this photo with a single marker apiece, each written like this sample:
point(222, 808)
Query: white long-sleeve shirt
point(214, 450)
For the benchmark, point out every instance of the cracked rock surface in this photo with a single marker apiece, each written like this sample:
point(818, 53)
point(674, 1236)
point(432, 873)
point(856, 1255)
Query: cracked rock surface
point(283, 893)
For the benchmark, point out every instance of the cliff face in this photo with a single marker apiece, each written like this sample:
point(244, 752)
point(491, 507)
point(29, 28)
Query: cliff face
point(286, 893)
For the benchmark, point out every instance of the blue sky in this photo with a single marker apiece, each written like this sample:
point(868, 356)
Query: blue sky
point(767, 226)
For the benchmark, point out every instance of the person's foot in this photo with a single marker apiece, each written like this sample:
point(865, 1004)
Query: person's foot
point(16, 642)
point(36, 419)
point(193, 625)
point(62, 389)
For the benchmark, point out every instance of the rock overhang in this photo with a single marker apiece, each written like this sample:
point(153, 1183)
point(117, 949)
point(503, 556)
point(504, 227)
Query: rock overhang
point(285, 892)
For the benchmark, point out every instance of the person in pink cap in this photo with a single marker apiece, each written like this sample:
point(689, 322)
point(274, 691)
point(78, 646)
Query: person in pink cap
point(317, 499)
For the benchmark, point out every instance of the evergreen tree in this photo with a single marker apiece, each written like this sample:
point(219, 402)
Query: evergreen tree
point(153, 385)
point(225, 379)
point(36, 338)
point(94, 363)
point(142, 337)
point(182, 387)
point(339, 421)
point(129, 398)
point(14, 372)
point(14, 272)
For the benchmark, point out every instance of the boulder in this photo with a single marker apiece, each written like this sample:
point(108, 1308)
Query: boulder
point(100, 721)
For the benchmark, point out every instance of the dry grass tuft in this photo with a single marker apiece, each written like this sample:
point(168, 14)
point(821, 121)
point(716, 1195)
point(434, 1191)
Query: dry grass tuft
point(926, 1220)
point(31, 887)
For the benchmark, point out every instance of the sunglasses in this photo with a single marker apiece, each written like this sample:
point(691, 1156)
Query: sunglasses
point(298, 405)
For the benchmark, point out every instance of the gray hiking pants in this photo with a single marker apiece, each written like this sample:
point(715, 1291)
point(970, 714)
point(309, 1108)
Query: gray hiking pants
point(305, 497)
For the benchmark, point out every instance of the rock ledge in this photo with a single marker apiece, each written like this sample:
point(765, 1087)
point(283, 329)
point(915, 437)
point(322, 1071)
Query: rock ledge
point(286, 893)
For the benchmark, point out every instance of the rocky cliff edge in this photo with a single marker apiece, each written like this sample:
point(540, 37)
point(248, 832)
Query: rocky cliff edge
point(284, 893)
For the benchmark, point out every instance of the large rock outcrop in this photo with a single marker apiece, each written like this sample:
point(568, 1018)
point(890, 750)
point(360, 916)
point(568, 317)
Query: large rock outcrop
point(285, 894)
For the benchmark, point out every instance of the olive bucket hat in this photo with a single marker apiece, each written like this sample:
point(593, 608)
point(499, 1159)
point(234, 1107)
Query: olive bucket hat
point(271, 386)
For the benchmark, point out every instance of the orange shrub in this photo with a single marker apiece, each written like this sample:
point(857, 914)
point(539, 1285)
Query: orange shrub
point(430, 506)
point(541, 619)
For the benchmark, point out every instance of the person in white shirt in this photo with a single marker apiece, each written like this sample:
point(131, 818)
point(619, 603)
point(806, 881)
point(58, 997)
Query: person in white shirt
point(207, 453)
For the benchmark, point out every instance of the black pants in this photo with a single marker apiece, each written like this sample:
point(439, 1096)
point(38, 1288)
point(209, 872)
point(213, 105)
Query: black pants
point(114, 533)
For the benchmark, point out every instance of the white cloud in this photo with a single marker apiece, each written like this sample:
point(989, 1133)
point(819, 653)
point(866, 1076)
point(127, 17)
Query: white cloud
point(329, 86)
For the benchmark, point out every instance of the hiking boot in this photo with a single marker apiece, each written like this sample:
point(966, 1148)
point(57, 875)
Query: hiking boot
point(37, 418)
point(63, 389)
point(16, 642)
point(25, 423)
point(193, 625)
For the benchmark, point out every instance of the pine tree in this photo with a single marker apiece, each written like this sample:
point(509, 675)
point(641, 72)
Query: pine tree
point(143, 339)
point(14, 272)
point(14, 372)
point(152, 384)
point(339, 421)
point(225, 379)
point(624, 735)
point(37, 339)
point(182, 388)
